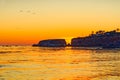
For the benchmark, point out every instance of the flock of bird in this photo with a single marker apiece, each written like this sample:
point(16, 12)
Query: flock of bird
point(27, 11)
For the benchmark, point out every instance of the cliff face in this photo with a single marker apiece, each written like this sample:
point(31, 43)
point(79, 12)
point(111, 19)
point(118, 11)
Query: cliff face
point(52, 43)
point(108, 39)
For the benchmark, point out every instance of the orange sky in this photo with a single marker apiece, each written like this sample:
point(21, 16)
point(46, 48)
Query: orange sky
point(24, 22)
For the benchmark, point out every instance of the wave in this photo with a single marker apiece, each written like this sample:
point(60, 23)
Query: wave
point(2, 52)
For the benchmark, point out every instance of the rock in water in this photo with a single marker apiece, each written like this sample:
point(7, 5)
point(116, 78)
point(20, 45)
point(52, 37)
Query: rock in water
point(52, 43)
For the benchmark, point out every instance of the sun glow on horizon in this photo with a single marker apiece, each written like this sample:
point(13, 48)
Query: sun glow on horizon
point(68, 40)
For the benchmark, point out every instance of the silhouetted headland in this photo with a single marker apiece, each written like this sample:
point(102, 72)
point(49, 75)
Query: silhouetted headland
point(52, 43)
point(101, 38)
point(110, 39)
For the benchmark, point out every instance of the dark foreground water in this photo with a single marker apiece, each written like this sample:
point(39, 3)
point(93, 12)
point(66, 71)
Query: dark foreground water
point(34, 63)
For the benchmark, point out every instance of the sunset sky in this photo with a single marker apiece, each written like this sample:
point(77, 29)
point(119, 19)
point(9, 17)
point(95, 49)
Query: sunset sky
point(24, 22)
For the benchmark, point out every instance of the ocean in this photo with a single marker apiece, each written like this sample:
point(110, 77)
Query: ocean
point(43, 63)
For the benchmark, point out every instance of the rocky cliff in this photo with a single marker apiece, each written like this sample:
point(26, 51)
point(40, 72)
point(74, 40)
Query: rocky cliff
point(106, 40)
point(52, 43)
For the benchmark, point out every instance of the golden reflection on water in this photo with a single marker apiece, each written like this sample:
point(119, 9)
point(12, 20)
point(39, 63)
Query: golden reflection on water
point(34, 63)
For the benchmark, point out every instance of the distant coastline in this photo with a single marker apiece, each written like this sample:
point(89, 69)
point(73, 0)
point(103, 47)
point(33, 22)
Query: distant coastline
point(109, 39)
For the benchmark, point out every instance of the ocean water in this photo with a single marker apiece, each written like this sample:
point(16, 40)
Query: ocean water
point(42, 63)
